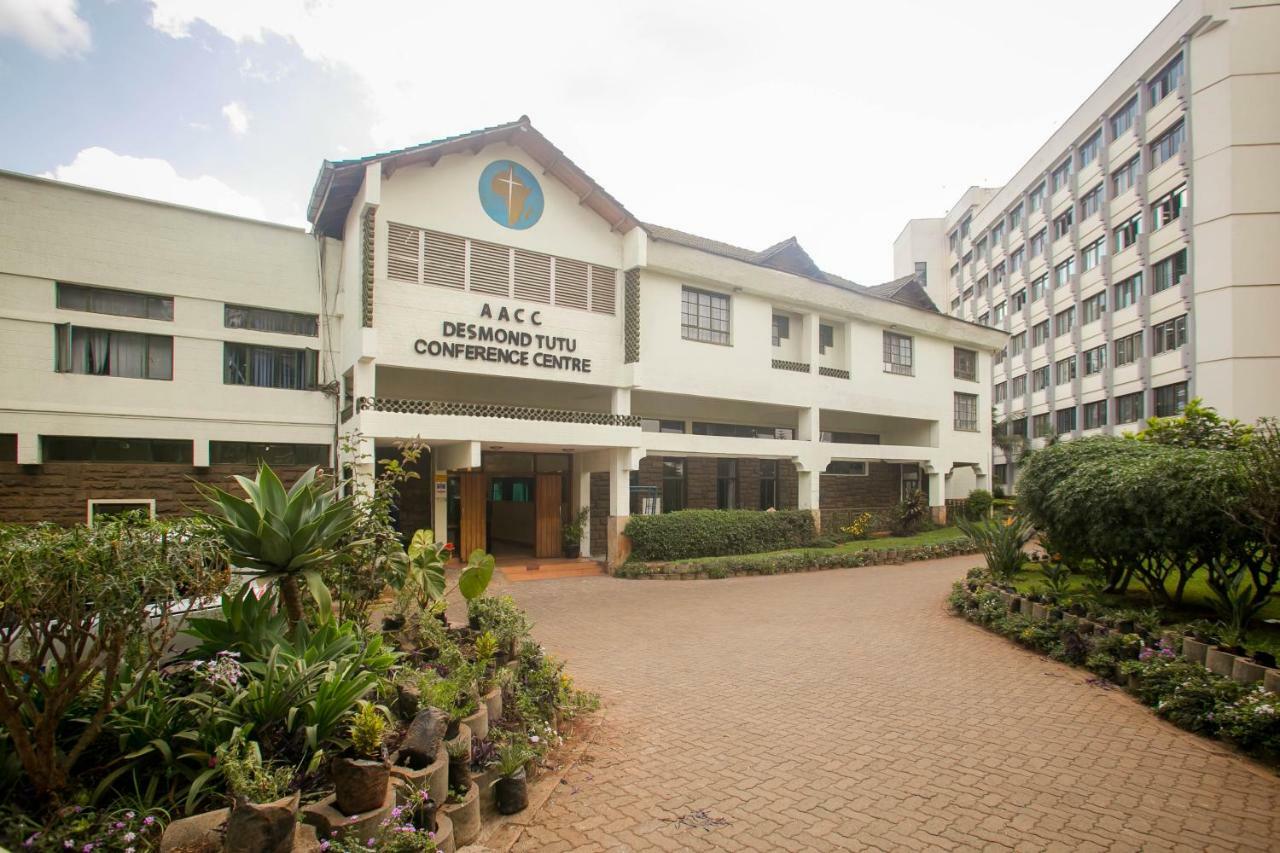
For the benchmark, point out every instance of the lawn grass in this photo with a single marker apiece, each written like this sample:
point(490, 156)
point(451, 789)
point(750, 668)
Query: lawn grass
point(936, 536)
point(1197, 603)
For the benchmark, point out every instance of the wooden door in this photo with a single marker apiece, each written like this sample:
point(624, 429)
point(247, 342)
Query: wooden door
point(474, 488)
point(546, 498)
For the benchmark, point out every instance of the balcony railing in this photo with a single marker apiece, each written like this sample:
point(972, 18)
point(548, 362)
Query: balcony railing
point(797, 366)
point(494, 410)
point(833, 372)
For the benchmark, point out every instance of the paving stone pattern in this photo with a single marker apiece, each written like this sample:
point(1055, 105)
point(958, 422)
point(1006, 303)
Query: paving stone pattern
point(847, 710)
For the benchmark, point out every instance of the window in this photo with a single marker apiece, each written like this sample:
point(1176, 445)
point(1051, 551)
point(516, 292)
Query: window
point(251, 453)
point(1125, 177)
point(847, 468)
point(1127, 234)
point(898, 354)
point(1168, 144)
point(1128, 291)
point(1017, 301)
point(1164, 83)
point(1095, 414)
point(1064, 321)
point(1037, 243)
point(1040, 378)
point(968, 258)
point(1000, 355)
point(968, 293)
point(1018, 426)
point(671, 427)
point(1000, 392)
point(966, 412)
point(1095, 360)
point(1018, 386)
point(998, 272)
point(768, 484)
point(1129, 408)
point(1169, 271)
point(65, 448)
point(1169, 335)
point(1036, 198)
point(1018, 343)
point(1066, 420)
point(742, 430)
point(1128, 348)
point(955, 272)
point(1124, 118)
point(1039, 333)
point(1016, 259)
point(121, 506)
point(964, 226)
point(1038, 288)
point(1062, 224)
point(107, 352)
point(781, 329)
point(1171, 400)
point(966, 364)
point(1015, 217)
point(704, 316)
point(982, 286)
point(955, 305)
point(984, 319)
point(997, 234)
point(1062, 272)
point(1040, 426)
point(1092, 254)
point(997, 313)
point(849, 437)
point(980, 247)
point(121, 303)
point(1064, 371)
point(1168, 207)
point(1090, 148)
point(673, 485)
point(1061, 176)
point(1093, 308)
point(270, 320)
point(726, 484)
point(826, 338)
point(1091, 203)
point(268, 367)
point(953, 239)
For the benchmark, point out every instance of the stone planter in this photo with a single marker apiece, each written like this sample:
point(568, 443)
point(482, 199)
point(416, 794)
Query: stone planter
point(434, 778)
point(444, 835)
point(478, 722)
point(326, 818)
point(493, 704)
point(262, 828)
point(511, 794)
point(1039, 612)
point(484, 781)
point(1027, 606)
point(465, 816)
point(1247, 671)
point(359, 785)
point(463, 736)
point(1015, 604)
point(1271, 680)
point(1219, 661)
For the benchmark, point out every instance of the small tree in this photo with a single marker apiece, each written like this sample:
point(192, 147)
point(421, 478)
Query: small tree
point(1199, 426)
point(86, 615)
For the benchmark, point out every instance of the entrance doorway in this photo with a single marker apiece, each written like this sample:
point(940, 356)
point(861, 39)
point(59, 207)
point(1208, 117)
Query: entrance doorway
point(515, 505)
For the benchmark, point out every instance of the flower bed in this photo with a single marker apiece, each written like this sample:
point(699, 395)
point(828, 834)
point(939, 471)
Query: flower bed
point(807, 560)
point(1160, 667)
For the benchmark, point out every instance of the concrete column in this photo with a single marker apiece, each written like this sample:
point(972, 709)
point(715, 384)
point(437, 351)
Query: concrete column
point(809, 494)
point(809, 341)
point(582, 500)
point(29, 448)
point(807, 424)
point(619, 546)
point(620, 404)
point(937, 496)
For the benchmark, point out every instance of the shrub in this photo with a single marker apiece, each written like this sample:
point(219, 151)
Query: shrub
point(708, 532)
point(978, 504)
point(859, 527)
point(910, 515)
point(1001, 544)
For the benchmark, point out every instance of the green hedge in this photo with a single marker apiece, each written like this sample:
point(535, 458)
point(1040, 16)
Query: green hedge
point(717, 532)
point(791, 561)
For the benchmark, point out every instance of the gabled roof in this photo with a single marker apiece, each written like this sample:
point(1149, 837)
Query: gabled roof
point(907, 290)
point(339, 181)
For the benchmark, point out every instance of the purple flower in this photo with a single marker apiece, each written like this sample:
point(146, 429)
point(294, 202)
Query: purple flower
point(31, 840)
point(371, 842)
point(324, 845)
point(148, 820)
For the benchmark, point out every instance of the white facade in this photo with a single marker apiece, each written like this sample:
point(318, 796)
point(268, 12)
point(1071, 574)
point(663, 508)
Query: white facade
point(1196, 108)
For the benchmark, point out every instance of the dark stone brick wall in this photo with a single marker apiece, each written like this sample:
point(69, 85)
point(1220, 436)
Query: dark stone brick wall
point(880, 488)
point(700, 481)
point(599, 513)
point(60, 491)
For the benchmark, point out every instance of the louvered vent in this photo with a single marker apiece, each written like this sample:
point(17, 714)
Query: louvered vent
point(404, 252)
point(533, 276)
point(604, 286)
point(571, 283)
point(490, 268)
point(445, 260)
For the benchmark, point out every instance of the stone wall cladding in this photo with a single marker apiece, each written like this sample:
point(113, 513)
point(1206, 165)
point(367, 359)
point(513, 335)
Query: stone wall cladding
point(599, 513)
point(60, 491)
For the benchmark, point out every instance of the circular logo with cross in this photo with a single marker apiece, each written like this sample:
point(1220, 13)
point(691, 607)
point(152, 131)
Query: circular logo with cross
point(510, 194)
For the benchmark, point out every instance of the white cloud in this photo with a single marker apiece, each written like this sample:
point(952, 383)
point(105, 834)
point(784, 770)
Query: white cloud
point(237, 118)
point(154, 178)
point(52, 28)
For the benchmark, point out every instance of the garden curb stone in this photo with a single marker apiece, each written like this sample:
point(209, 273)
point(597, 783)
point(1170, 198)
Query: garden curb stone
point(1219, 662)
point(465, 816)
point(1246, 671)
point(325, 817)
point(1194, 650)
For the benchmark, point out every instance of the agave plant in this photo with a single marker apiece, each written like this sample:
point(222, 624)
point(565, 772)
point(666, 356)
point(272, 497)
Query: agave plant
point(283, 535)
point(1001, 542)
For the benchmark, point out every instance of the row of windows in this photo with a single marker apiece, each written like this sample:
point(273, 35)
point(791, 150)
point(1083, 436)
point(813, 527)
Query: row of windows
point(147, 306)
point(1166, 337)
point(678, 427)
point(675, 483)
point(67, 448)
point(781, 331)
point(136, 355)
point(1169, 400)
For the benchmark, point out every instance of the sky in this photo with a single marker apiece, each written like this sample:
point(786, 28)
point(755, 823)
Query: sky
point(746, 122)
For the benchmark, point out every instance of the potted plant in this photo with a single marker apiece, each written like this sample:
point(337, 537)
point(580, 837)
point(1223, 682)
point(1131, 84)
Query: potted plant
point(572, 533)
point(459, 763)
point(511, 788)
point(360, 775)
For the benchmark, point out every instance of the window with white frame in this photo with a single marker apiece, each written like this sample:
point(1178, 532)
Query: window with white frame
point(1128, 290)
point(966, 412)
point(704, 316)
point(1169, 271)
point(1127, 232)
point(1165, 82)
point(1169, 335)
point(1168, 207)
point(1128, 349)
point(1095, 360)
point(1122, 119)
point(1092, 309)
point(1168, 144)
point(899, 354)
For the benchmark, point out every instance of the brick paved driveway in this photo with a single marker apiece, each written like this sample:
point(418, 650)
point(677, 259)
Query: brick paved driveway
point(847, 710)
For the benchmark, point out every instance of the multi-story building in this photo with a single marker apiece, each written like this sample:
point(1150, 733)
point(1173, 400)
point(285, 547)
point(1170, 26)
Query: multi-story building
point(1133, 259)
point(484, 295)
